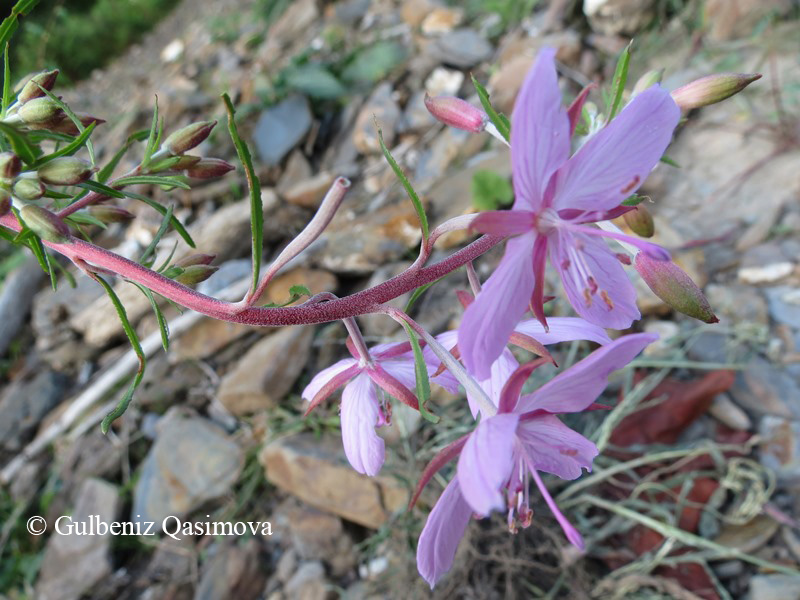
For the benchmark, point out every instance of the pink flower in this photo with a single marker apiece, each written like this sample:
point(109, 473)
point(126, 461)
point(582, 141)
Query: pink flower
point(557, 197)
point(500, 456)
point(363, 408)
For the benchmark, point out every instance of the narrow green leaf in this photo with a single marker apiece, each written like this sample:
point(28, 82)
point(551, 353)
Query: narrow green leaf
point(166, 262)
point(164, 164)
point(67, 275)
point(157, 238)
point(167, 182)
point(619, 81)
point(100, 188)
point(83, 218)
point(666, 159)
point(423, 218)
point(256, 209)
point(36, 246)
point(633, 200)
point(152, 138)
point(74, 118)
point(163, 327)
point(416, 295)
point(6, 81)
point(122, 406)
point(11, 22)
point(421, 371)
point(299, 290)
point(500, 122)
point(105, 173)
point(176, 224)
point(69, 149)
point(21, 146)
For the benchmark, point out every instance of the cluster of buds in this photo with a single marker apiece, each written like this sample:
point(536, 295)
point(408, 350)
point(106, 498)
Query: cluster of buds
point(172, 154)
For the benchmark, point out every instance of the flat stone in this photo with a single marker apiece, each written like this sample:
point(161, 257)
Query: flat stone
point(191, 462)
point(774, 587)
point(73, 563)
point(24, 404)
point(316, 470)
point(724, 410)
point(310, 192)
point(267, 372)
point(615, 17)
point(442, 20)
point(280, 128)
point(296, 170)
point(765, 264)
point(764, 389)
point(784, 305)
point(748, 537)
point(309, 583)
point(233, 571)
point(382, 108)
point(737, 303)
point(780, 447)
point(463, 48)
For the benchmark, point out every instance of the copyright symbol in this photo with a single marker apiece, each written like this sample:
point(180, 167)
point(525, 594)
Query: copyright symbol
point(36, 525)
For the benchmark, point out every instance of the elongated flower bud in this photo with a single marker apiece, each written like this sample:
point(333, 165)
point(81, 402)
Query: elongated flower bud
point(640, 221)
point(195, 274)
point(31, 90)
point(5, 202)
point(196, 259)
point(186, 161)
point(209, 168)
point(456, 112)
point(671, 283)
point(40, 113)
point(647, 80)
point(188, 137)
point(28, 188)
point(10, 165)
point(712, 89)
point(45, 224)
point(66, 170)
point(111, 214)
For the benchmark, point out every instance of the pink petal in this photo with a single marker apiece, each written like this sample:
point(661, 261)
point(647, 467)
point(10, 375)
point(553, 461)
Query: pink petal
point(443, 457)
point(501, 370)
point(443, 530)
point(513, 387)
point(323, 377)
point(617, 159)
point(504, 222)
point(360, 415)
point(394, 387)
point(572, 534)
point(490, 319)
point(402, 369)
point(486, 462)
point(576, 257)
point(445, 378)
point(563, 329)
point(579, 386)
point(555, 448)
point(539, 133)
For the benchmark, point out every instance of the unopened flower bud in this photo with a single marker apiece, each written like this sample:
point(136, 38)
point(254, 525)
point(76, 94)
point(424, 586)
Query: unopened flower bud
point(208, 168)
point(671, 283)
point(40, 113)
point(111, 214)
point(188, 137)
point(711, 89)
point(640, 221)
point(186, 161)
point(10, 165)
point(68, 127)
point(45, 224)
point(195, 274)
point(28, 188)
point(5, 202)
point(31, 90)
point(66, 170)
point(196, 259)
point(648, 80)
point(456, 112)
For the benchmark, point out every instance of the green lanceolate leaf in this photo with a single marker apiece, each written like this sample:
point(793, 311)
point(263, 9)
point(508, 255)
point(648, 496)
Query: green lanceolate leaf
point(256, 209)
point(633, 200)
point(157, 238)
point(75, 120)
point(176, 224)
point(667, 160)
point(6, 82)
point(423, 218)
point(421, 371)
point(152, 138)
point(105, 173)
point(167, 182)
point(619, 81)
point(11, 22)
point(122, 406)
point(163, 327)
point(83, 218)
point(416, 295)
point(99, 188)
point(69, 149)
point(500, 121)
point(21, 146)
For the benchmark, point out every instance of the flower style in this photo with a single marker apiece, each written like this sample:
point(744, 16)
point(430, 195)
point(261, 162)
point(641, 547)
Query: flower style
point(500, 456)
point(389, 367)
point(557, 196)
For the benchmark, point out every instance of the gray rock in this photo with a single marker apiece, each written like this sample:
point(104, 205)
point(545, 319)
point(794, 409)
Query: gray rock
point(780, 447)
point(74, 563)
point(784, 305)
point(24, 404)
point(462, 48)
point(765, 263)
point(191, 462)
point(382, 108)
point(774, 587)
point(416, 116)
point(308, 583)
point(739, 303)
point(233, 571)
point(767, 390)
point(280, 128)
point(267, 372)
